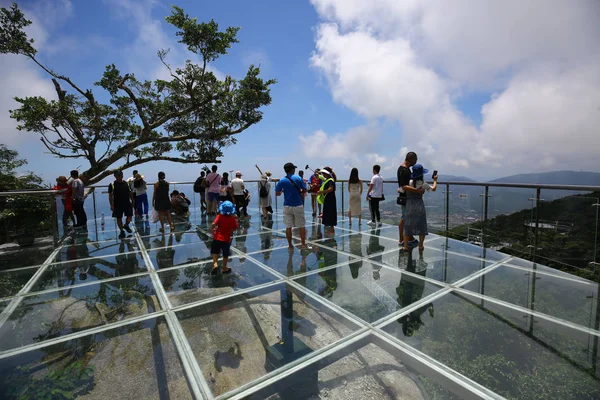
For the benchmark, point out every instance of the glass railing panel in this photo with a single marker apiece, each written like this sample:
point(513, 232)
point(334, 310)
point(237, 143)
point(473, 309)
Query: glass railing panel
point(567, 232)
point(465, 212)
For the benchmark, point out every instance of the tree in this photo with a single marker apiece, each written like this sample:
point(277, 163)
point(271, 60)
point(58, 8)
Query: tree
point(21, 216)
point(194, 114)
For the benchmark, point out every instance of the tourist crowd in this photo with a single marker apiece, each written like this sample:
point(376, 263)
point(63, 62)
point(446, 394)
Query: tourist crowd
point(223, 198)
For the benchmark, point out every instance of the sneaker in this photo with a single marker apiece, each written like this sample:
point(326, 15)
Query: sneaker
point(412, 244)
point(401, 243)
point(122, 235)
point(371, 223)
point(380, 224)
point(127, 228)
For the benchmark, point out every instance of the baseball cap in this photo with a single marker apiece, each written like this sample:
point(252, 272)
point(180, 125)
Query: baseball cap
point(289, 166)
point(238, 173)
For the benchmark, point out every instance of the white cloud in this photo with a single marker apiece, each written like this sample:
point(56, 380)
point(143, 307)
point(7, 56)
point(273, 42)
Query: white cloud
point(409, 61)
point(20, 77)
point(359, 140)
point(140, 54)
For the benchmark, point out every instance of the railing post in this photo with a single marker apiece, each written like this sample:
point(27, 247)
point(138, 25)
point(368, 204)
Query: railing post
point(537, 221)
point(94, 201)
point(54, 220)
point(342, 198)
point(447, 207)
point(486, 196)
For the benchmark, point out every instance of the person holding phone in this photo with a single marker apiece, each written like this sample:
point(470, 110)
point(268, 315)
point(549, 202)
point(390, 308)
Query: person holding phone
point(415, 223)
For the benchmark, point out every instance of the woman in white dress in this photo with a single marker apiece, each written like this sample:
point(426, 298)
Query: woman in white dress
point(355, 187)
point(265, 203)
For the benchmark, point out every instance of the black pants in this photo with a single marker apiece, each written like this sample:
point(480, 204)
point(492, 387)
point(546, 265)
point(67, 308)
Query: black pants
point(375, 209)
point(240, 202)
point(79, 213)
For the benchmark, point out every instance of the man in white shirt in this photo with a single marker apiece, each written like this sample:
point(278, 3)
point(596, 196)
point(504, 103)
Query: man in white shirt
point(130, 182)
point(375, 195)
point(237, 185)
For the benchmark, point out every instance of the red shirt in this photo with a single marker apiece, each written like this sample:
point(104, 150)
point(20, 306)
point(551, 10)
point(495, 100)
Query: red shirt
point(224, 225)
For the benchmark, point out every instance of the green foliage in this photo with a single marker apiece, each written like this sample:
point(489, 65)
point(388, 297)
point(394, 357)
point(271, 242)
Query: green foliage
point(13, 39)
point(59, 383)
point(24, 215)
point(194, 114)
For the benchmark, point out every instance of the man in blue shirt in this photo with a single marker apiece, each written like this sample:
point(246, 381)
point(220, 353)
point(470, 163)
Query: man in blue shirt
point(293, 188)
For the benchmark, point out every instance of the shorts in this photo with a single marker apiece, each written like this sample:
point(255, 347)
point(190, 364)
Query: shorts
point(294, 217)
point(121, 210)
point(218, 246)
point(213, 196)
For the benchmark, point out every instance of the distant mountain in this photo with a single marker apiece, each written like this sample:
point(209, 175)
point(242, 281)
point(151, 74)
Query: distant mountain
point(554, 178)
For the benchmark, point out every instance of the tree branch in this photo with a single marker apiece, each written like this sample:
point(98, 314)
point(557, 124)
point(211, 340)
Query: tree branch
point(133, 98)
point(56, 153)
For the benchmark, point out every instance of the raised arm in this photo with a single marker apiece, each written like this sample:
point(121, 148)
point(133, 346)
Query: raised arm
point(259, 171)
point(434, 187)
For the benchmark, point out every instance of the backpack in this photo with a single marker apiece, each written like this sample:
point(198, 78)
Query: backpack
point(199, 185)
point(264, 192)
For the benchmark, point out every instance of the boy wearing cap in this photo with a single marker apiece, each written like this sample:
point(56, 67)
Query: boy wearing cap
point(120, 197)
point(237, 185)
point(293, 188)
point(222, 228)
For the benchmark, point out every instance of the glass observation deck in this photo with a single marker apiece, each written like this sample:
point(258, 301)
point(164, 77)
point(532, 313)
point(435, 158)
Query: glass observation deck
point(85, 314)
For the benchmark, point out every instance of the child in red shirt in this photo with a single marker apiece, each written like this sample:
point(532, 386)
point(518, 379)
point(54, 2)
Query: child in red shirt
point(222, 228)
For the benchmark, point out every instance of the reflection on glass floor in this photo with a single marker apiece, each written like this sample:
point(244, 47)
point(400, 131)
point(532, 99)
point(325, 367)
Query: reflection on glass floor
point(351, 317)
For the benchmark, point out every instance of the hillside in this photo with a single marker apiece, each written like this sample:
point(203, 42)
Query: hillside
point(554, 178)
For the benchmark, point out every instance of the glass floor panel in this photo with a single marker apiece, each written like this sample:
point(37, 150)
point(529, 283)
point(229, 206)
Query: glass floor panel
point(44, 316)
point(134, 361)
point(360, 245)
point(244, 337)
point(486, 343)
point(290, 262)
point(172, 256)
point(434, 264)
point(19, 257)
point(89, 270)
point(574, 301)
point(195, 282)
point(358, 372)
point(368, 291)
point(266, 240)
point(12, 281)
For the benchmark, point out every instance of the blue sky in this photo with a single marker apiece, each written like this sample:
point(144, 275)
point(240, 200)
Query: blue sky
point(355, 85)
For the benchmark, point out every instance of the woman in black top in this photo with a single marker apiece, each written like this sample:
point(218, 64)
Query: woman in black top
point(225, 188)
point(330, 205)
point(161, 201)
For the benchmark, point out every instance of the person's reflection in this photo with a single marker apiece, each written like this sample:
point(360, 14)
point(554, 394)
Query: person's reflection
point(165, 256)
point(240, 238)
point(328, 258)
point(127, 262)
point(375, 247)
point(410, 290)
point(316, 232)
point(356, 249)
point(266, 239)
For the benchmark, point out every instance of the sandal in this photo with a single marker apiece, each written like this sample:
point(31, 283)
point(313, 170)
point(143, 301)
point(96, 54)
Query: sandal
point(227, 271)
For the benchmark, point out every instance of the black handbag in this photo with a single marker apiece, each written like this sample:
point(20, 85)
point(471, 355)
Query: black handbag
point(401, 200)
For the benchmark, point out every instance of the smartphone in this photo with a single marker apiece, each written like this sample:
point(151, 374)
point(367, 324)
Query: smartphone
point(434, 174)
